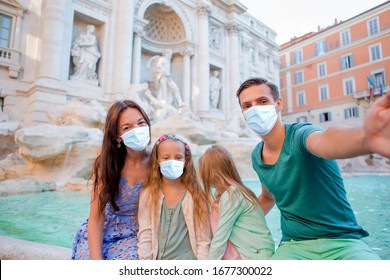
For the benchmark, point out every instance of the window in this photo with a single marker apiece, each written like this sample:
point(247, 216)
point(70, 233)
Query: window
point(1, 104)
point(321, 47)
point(302, 119)
point(346, 62)
point(301, 99)
point(325, 117)
point(5, 30)
point(373, 27)
point(298, 76)
point(322, 69)
point(349, 86)
point(351, 113)
point(375, 52)
point(323, 91)
point(298, 57)
point(378, 79)
point(345, 38)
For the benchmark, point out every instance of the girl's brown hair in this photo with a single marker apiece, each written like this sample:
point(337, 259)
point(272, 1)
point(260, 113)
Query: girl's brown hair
point(109, 163)
point(188, 178)
point(217, 168)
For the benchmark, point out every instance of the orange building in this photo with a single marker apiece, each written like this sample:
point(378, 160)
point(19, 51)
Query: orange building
point(333, 75)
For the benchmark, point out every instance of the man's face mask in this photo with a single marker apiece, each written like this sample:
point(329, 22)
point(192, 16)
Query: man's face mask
point(261, 119)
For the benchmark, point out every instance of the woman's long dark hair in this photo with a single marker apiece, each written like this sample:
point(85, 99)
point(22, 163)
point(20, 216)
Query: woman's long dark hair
point(109, 163)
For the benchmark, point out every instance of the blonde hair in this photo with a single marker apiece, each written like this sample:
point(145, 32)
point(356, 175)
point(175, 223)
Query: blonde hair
point(188, 178)
point(217, 168)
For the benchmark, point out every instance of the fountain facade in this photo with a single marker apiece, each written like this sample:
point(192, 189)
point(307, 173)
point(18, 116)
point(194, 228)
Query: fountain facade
point(67, 61)
point(88, 54)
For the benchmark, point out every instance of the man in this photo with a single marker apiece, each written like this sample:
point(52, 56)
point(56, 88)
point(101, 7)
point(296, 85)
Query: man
point(297, 168)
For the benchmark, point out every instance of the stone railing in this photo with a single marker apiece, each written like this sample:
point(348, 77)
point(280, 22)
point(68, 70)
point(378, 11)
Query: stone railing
point(10, 59)
point(366, 93)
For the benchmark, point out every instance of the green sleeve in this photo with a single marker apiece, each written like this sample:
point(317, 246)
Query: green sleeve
point(229, 210)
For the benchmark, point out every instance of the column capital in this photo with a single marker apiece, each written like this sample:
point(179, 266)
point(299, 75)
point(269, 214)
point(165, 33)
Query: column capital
point(188, 51)
point(203, 10)
point(139, 25)
point(138, 30)
point(232, 28)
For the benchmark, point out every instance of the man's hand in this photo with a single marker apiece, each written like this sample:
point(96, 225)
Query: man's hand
point(377, 126)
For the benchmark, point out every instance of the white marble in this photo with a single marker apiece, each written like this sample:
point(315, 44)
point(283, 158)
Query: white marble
point(16, 249)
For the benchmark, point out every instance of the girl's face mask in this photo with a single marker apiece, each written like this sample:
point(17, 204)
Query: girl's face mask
point(261, 119)
point(137, 139)
point(172, 169)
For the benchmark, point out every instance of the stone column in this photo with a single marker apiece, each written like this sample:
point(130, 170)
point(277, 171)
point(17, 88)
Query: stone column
point(137, 56)
point(187, 53)
point(54, 19)
point(203, 58)
point(123, 45)
point(246, 57)
point(137, 50)
point(234, 65)
point(47, 94)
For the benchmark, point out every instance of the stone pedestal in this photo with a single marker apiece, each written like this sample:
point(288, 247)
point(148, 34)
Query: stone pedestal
point(44, 97)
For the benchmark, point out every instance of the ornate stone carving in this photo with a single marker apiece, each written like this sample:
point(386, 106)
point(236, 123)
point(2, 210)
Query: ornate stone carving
point(203, 10)
point(215, 37)
point(187, 52)
point(166, 89)
point(85, 55)
point(164, 24)
point(215, 86)
point(232, 28)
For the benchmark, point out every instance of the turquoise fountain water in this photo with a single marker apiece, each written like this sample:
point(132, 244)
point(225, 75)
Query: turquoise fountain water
point(53, 217)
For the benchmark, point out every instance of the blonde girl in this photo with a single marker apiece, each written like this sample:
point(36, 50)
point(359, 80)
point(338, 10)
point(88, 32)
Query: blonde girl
point(173, 211)
point(239, 226)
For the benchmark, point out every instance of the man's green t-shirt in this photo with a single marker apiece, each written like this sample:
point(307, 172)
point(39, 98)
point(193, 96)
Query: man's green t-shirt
point(309, 191)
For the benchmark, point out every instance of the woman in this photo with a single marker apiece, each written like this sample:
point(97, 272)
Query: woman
point(119, 172)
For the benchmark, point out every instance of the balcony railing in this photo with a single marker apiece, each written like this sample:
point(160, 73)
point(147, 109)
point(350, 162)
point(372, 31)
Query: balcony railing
point(376, 91)
point(10, 59)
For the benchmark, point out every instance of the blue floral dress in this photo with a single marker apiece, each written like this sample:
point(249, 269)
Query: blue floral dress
point(120, 228)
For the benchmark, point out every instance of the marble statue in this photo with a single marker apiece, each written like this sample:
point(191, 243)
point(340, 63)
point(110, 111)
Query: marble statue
point(166, 88)
point(153, 107)
point(215, 89)
point(85, 55)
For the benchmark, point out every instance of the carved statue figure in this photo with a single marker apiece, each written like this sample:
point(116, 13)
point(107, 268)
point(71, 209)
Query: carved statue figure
point(85, 55)
point(214, 88)
point(166, 87)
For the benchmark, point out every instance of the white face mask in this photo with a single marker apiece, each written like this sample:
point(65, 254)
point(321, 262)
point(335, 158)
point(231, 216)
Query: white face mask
point(261, 119)
point(137, 139)
point(172, 169)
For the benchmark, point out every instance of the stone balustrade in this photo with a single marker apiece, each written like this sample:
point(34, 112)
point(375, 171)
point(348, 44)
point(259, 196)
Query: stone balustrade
point(10, 59)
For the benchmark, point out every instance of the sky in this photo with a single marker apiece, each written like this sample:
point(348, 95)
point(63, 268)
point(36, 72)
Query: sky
point(289, 18)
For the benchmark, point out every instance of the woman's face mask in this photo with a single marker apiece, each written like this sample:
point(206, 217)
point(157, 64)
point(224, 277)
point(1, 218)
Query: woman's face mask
point(137, 139)
point(172, 169)
point(261, 119)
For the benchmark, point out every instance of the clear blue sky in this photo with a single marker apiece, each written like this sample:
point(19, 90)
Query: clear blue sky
point(295, 18)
